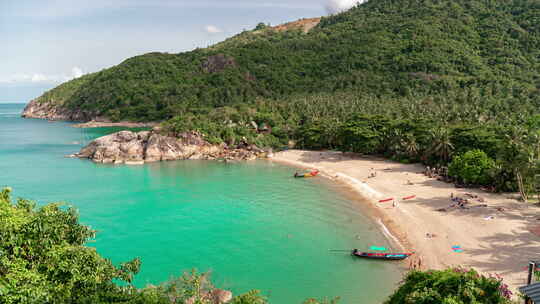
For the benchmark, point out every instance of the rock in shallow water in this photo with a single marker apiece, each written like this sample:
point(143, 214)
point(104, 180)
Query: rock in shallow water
point(126, 147)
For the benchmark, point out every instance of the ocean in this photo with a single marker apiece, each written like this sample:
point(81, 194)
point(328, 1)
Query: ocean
point(250, 223)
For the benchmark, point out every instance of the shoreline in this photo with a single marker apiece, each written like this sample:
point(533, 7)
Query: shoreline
point(495, 234)
point(379, 218)
point(126, 124)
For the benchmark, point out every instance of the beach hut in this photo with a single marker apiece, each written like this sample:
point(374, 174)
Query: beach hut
point(532, 291)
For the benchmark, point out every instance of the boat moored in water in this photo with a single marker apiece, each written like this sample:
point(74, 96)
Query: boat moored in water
point(312, 173)
point(380, 256)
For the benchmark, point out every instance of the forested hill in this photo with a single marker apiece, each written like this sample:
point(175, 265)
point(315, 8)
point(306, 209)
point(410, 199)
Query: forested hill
point(383, 48)
point(446, 82)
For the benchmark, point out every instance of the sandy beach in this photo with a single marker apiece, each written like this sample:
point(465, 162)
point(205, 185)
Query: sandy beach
point(495, 239)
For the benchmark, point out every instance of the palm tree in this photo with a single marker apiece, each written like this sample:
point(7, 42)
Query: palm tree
point(410, 145)
point(517, 135)
point(441, 145)
point(393, 141)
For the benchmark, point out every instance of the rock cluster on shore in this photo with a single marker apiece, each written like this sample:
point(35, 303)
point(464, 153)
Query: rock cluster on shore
point(215, 296)
point(52, 111)
point(126, 147)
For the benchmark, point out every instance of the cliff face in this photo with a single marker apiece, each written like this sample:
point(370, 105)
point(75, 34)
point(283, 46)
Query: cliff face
point(53, 111)
point(128, 147)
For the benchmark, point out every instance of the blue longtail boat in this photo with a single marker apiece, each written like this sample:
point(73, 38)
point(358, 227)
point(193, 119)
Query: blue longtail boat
point(380, 256)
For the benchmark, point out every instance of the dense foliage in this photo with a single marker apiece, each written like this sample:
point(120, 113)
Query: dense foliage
point(486, 49)
point(43, 259)
point(452, 286)
point(416, 80)
point(473, 167)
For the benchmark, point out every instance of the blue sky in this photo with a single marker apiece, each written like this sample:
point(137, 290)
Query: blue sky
point(44, 43)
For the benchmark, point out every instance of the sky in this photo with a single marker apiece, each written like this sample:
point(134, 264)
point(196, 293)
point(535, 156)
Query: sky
point(45, 43)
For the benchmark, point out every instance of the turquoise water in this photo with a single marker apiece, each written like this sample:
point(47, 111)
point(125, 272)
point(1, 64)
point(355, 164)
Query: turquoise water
point(251, 224)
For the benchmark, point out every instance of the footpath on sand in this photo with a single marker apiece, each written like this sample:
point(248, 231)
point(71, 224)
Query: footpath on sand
point(493, 233)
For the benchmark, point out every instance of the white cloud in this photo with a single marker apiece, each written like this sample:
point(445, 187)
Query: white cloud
point(39, 78)
point(76, 72)
point(338, 6)
point(212, 29)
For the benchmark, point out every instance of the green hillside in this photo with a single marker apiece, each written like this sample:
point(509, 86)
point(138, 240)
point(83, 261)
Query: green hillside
point(399, 48)
point(389, 77)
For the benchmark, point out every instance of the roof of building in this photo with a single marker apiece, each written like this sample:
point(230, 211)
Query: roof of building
point(532, 291)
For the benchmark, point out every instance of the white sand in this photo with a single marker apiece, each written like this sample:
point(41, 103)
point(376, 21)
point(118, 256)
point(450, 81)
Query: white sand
point(500, 245)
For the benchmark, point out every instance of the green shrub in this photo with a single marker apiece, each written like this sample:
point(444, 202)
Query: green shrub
point(473, 167)
point(44, 258)
point(452, 286)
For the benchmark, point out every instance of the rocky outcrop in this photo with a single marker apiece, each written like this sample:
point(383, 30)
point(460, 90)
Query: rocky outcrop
point(215, 296)
point(128, 147)
point(217, 63)
point(305, 25)
point(53, 111)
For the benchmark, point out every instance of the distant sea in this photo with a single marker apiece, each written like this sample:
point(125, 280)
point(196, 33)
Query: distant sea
point(250, 223)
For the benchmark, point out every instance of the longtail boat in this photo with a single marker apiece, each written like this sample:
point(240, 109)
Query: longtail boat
point(380, 256)
point(312, 173)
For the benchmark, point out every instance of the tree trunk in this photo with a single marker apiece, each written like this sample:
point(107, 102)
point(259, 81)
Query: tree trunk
point(522, 191)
